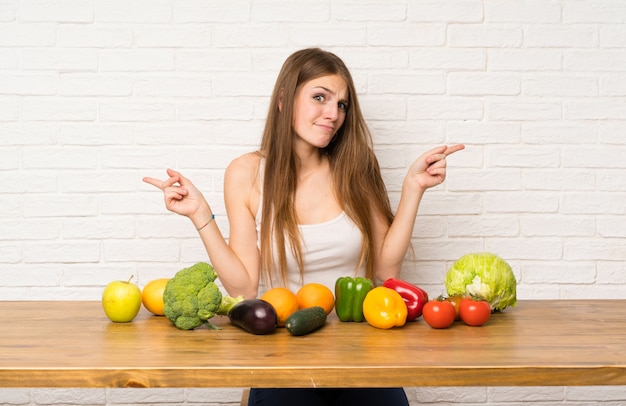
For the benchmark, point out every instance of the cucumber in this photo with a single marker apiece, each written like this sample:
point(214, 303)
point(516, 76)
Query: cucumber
point(305, 321)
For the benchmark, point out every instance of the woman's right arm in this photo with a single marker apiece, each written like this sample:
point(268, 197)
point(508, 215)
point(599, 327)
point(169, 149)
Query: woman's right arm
point(236, 262)
point(241, 199)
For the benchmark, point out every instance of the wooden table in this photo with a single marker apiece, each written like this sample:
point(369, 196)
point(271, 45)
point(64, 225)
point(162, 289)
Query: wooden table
point(537, 343)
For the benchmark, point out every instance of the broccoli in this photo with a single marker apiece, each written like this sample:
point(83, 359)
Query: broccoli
point(192, 297)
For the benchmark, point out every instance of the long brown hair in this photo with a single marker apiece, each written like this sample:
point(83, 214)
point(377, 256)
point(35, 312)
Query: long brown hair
point(356, 173)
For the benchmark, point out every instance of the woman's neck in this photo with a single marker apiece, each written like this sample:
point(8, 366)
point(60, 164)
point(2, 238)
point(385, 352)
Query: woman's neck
point(310, 159)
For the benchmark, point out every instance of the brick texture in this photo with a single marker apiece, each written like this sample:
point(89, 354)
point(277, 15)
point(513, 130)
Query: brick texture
point(96, 94)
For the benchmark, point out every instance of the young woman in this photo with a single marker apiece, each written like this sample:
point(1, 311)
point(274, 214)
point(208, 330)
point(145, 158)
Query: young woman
point(310, 205)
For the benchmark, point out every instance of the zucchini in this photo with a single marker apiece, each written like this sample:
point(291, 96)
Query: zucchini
point(305, 321)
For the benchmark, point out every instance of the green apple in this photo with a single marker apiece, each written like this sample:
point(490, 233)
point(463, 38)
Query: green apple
point(121, 301)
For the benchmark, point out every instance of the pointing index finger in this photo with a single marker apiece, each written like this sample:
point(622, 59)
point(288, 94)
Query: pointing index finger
point(162, 184)
point(154, 182)
point(453, 148)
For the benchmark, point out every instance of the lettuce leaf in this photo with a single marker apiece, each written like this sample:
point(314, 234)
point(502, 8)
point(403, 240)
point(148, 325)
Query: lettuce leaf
point(483, 275)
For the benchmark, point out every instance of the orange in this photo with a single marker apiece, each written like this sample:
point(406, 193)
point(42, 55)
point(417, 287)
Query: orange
point(284, 302)
point(152, 296)
point(316, 294)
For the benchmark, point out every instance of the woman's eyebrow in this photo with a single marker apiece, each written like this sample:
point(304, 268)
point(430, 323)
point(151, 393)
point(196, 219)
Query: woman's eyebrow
point(324, 88)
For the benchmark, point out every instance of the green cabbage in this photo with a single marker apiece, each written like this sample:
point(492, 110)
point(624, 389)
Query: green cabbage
point(483, 275)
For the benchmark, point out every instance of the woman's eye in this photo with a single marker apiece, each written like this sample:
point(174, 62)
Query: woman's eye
point(319, 97)
point(343, 106)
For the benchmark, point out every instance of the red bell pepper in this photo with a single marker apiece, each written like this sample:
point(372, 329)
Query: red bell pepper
point(414, 297)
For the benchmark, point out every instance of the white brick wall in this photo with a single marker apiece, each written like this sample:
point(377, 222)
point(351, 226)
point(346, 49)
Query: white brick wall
point(96, 94)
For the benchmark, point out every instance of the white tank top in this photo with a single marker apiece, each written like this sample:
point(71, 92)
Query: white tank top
point(329, 250)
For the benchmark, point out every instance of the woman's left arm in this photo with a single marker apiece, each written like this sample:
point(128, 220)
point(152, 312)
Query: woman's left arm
point(427, 171)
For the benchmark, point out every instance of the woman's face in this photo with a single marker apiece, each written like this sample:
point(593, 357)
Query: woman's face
point(320, 109)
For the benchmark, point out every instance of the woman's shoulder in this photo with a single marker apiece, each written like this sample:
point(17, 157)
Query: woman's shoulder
point(241, 183)
point(248, 162)
point(244, 169)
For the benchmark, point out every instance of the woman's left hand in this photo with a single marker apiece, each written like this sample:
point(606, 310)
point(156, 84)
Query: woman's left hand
point(430, 168)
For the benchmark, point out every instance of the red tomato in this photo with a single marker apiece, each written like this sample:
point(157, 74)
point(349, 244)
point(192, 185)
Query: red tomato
point(474, 312)
point(456, 301)
point(439, 313)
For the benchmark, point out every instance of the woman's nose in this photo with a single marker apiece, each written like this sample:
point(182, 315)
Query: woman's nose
point(331, 111)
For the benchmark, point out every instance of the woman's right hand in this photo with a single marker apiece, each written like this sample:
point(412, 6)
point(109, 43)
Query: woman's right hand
point(181, 196)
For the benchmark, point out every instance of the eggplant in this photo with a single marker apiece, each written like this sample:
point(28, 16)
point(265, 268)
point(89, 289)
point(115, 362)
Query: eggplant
point(255, 316)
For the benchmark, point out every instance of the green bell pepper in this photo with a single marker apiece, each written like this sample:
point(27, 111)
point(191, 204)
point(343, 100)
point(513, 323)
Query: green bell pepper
point(349, 296)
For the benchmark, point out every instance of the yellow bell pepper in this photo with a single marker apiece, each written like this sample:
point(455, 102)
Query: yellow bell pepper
point(384, 308)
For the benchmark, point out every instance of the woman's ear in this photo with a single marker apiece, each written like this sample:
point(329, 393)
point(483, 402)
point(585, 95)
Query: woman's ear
point(280, 99)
